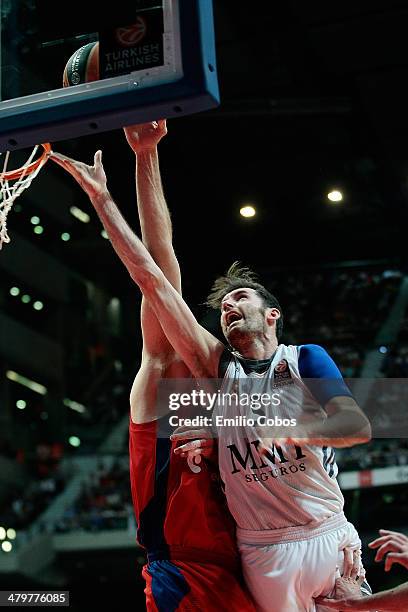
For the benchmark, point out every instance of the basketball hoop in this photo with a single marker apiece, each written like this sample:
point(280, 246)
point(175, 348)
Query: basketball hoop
point(23, 178)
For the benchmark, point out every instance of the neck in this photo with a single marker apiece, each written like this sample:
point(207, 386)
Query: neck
point(257, 348)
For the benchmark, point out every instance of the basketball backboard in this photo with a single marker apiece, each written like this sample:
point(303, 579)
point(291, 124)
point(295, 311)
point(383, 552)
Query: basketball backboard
point(157, 60)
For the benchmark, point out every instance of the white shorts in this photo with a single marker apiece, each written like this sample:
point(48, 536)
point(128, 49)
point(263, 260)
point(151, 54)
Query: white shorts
point(288, 575)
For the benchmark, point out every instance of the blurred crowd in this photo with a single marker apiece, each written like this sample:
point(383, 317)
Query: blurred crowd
point(377, 454)
point(24, 501)
point(337, 306)
point(104, 501)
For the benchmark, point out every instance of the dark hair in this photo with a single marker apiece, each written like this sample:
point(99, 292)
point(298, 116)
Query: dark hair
point(240, 276)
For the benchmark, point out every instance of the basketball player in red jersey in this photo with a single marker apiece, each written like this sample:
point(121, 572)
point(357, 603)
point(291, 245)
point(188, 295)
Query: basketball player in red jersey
point(182, 519)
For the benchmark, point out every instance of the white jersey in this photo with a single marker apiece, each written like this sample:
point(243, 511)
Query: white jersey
point(294, 485)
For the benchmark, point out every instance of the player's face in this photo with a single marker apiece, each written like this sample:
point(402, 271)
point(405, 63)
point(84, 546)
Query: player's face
point(242, 312)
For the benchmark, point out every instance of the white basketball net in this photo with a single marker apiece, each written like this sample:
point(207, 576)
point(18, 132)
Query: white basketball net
point(9, 193)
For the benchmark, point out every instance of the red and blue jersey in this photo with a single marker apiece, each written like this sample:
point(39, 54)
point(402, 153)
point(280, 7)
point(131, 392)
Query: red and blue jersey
point(177, 511)
point(185, 527)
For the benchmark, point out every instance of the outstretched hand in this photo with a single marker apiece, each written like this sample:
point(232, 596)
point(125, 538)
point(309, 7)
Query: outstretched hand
point(146, 135)
point(394, 545)
point(92, 179)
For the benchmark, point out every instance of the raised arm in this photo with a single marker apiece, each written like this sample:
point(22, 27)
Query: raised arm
point(199, 349)
point(159, 360)
point(156, 229)
point(153, 212)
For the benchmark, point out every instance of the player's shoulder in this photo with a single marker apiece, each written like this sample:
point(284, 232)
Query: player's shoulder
point(311, 349)
point(315, 361)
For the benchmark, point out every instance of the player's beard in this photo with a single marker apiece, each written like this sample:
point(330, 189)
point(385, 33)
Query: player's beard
point(251, 326)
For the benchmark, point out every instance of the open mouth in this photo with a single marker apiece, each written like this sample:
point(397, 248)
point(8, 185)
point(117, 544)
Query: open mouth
point(232, 317)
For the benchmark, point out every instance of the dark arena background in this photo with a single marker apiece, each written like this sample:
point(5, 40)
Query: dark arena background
point(312, 132)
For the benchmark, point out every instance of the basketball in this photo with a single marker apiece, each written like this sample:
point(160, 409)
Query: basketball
point(82, 66)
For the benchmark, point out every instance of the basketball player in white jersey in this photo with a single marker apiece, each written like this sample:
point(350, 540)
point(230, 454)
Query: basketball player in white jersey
point(285, 499)
point(287, 504)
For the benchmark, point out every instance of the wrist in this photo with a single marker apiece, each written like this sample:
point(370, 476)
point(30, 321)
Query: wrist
point(145, 151)
point(100, 196)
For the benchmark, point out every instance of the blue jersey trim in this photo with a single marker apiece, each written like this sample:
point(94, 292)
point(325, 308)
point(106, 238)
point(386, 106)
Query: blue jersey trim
point(150, 532)
point(169, 586)
point(320, 374)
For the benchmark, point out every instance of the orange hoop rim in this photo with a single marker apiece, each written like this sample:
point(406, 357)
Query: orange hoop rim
point(15, 174)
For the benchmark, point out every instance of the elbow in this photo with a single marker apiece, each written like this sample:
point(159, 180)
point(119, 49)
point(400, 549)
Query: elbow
point(358, 428)
point(367, 434)
point(362, 439)
point(364, 434)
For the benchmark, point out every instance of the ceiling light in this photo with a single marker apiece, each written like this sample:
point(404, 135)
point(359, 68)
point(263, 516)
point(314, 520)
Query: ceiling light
point(79, 214)
point(74, 405)
point(11, 534)
point(247, 211)
point(26, 382)
point(74, 441)
point(335, 196)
